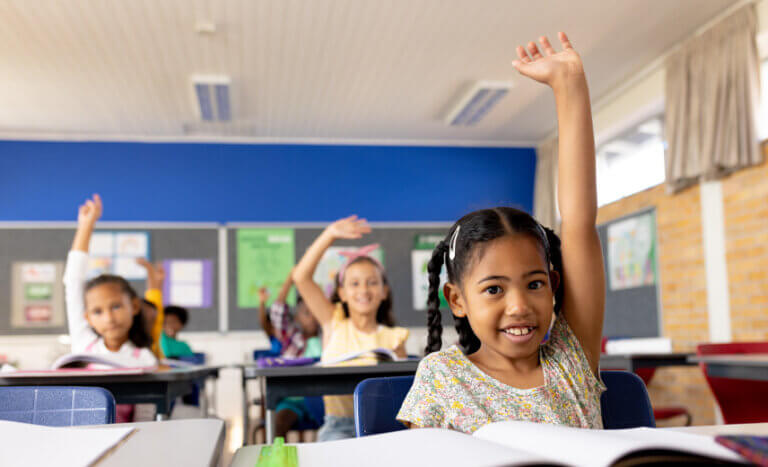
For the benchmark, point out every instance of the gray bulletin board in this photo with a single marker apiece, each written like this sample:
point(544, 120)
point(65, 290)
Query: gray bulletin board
point(52, 243)
point(397, 242)
point(635, 311)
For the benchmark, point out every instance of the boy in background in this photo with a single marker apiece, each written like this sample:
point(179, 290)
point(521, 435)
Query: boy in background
point(174, 321)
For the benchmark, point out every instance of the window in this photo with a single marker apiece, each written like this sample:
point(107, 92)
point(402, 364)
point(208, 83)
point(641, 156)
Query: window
point(631, 162)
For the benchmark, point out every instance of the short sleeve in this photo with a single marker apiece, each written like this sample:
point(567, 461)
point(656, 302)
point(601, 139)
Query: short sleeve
point(423, 405)
point(564, 347)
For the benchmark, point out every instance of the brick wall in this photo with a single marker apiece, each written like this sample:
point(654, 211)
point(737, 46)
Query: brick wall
point(683, 292)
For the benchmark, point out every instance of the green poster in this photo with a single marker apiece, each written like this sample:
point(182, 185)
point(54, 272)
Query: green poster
point(38, 291)
point(264, 259)
point(423, 245)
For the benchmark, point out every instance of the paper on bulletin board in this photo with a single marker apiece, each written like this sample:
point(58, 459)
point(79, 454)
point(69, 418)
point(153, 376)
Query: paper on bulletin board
point(116, 253)
point(420, 256)
point(188, 283)
point(331, 263)
point(37, 297)
point(265, 257)
point(632, 252)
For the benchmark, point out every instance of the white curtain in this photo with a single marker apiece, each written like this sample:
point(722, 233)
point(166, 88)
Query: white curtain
point(545, 185)
point(712, 96)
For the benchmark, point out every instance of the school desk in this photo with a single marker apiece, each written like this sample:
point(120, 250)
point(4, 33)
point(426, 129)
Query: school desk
point(304, 381)
point(160, 387)
point(633, 362)
point(247, 456)
point(736, 366)
point(192, 442)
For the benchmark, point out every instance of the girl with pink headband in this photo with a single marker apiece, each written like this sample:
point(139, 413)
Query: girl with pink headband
point(361, 320)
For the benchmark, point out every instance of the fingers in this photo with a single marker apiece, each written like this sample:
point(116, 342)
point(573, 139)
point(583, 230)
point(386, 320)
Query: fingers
point(548, 49)
point(524, 58)
point(564, 40)
point(534, 51)
point(143, 262)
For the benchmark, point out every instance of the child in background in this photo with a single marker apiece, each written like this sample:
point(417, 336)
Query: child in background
point(509, 283)
point(176, 318)
point(362, 321)
point(298, 337)
point(104, 313)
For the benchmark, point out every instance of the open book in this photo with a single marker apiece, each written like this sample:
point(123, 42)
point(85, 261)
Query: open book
point(380, 354)
point(83, 360)
point(520, 443)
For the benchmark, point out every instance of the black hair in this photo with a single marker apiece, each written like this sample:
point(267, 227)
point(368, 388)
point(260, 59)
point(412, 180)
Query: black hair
point(178, 312)
point(384, 314)
point(148, 303)
point(474, 231)
point(137, 334)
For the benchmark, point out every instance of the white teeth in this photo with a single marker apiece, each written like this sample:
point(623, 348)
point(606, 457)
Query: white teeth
point(518, 331)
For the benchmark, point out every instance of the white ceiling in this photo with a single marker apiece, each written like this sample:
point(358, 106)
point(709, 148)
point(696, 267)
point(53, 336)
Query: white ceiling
point(337, 70)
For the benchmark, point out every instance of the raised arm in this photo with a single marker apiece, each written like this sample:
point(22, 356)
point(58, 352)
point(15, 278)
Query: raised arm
point(282, 296)
point(266, 324)
point(583, 276)
point(349, 228)
point(75, 274)
point(154, 294)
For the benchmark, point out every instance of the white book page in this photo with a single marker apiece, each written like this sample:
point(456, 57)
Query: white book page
point(423, 446)
point(63, 447)
point(583, 447)
point(370, 353)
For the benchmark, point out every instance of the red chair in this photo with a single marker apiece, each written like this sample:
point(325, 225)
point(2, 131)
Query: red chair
point(660, 413)
point(741, 401)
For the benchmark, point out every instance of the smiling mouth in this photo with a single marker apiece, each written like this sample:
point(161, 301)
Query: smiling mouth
point(519, 330)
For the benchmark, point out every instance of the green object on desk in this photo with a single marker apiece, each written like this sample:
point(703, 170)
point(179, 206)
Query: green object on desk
point(278, 455)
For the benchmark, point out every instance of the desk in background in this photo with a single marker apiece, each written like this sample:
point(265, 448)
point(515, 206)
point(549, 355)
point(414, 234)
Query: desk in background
point(159, 387)
point(634, 362)
point(304, 381)
point(737, 366)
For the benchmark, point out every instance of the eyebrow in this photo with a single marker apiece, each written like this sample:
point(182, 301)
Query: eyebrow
point(505, 278)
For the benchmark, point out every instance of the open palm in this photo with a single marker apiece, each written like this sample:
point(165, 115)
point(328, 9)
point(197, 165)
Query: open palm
point(350, 227)
point(551, 66)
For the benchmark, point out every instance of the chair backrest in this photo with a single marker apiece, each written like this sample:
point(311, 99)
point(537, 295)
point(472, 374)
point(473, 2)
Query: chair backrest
point(197, 358)
point(377, 400)
point(740, 401)
point(57, 405)
point(625, 403)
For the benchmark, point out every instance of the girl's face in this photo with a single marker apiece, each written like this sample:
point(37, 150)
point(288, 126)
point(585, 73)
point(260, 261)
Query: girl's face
point(110, 312)
point(363, 288)
point(507, 295)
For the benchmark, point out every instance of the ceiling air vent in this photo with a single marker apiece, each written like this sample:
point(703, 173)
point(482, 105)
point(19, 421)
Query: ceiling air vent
point(476, 103)
point(212, 97)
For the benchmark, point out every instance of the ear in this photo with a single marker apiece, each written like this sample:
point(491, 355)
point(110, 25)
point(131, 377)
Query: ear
point(136, 306)
point(455, 300)
point(88, 318)
point(554, 280)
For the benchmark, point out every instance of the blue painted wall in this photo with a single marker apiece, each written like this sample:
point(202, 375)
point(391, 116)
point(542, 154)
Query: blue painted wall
point(45, 181)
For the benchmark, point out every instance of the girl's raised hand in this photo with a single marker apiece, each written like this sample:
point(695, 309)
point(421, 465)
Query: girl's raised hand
point(349, 228)
point(155, 273)
point(90, 212)
point(552, 68)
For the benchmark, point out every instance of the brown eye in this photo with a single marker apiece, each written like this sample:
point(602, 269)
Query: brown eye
point(535, 285)
point(493, 290)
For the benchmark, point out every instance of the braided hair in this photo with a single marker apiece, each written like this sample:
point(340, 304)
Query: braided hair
point(470, 236)
point(137, 334)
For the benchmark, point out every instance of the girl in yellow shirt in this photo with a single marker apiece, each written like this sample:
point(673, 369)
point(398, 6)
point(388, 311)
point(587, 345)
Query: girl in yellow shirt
point(362, 320)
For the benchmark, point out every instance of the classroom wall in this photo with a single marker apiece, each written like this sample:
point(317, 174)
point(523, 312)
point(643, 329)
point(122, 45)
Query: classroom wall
point(46, 181)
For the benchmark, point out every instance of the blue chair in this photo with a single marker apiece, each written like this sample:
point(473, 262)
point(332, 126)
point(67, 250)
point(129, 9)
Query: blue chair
point(377, 400)
point(197, 358)
point(57, 405)
point(625, 404)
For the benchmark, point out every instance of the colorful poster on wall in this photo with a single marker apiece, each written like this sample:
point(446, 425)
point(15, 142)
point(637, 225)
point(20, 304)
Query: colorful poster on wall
point(37, 297)
point(188, 282)
point(632, 252)
point(331, 263)
point(420, 256)
point(116, 253)
point(265, 257)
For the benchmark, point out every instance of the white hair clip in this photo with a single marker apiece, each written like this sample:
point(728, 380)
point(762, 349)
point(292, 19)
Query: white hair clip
point(452, 246)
